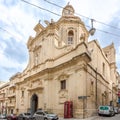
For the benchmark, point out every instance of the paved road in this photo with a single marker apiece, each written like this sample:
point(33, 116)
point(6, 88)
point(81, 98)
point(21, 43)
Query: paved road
point(116, 117)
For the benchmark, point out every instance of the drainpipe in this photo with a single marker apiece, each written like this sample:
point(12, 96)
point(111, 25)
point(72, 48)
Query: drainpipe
point(96, 97)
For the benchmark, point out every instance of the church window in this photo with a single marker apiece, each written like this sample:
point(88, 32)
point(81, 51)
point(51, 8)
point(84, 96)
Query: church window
point(37, 55)
point(36, 59)
point(103, 68)
point(63, 84)
point(22, 93)
point(92, 87)
point(70, 37)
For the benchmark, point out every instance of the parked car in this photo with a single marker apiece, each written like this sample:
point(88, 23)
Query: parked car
point(24, 116)
point(116, 110)
point(106, 110)
point(12, 117)
point(2, 116)
point(45, 115)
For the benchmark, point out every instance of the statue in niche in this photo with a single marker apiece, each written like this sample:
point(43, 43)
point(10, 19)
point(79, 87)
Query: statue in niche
point(40, 82)
point(82, 37)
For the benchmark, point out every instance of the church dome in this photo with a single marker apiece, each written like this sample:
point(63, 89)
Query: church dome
point(68, 10)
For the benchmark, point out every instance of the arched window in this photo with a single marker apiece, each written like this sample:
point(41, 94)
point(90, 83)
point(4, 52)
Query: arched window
point(70, 37)
point(103, 68)
point(36, 59)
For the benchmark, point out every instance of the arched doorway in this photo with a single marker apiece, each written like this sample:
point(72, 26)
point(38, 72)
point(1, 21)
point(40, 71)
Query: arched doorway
point(34, 103)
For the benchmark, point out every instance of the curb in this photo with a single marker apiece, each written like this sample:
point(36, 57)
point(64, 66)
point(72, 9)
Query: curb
point(89, 118)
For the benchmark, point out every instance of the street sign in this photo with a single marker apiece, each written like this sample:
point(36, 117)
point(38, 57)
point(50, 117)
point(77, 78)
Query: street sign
point(119, 100)
point(83, 97)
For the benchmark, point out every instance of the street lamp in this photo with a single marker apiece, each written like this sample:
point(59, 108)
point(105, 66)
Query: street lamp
point(92, 30)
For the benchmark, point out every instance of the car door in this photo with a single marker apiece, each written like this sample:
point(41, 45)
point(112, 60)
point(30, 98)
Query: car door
point(20, 117)
point(39, 115)
point(101, 110)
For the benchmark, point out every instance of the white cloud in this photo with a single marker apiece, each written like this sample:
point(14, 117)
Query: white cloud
point(17, 22)
point(20, 19)
point(8, 62)
point(97, 9)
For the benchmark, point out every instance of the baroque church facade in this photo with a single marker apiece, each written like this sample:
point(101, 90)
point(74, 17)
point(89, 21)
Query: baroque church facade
point(63, 66)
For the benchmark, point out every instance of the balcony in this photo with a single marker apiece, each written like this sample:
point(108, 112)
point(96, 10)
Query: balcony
point(2, 96)
point(11, 95)
point(11, 105)
point(2, 92)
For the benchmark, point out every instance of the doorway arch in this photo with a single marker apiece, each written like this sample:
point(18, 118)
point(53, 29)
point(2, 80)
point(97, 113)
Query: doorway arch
point(34, 103)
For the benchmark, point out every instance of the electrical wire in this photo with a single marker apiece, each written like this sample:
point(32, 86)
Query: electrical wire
point(5, 30)
point(13, 36)
point(83, 15)
point(57, 15)
point(40, 7)
point(105, 32)
point(60, 15)
point(65, 8)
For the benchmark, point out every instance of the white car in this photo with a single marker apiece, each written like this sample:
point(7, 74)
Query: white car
point(106, 110)
point(2, 116)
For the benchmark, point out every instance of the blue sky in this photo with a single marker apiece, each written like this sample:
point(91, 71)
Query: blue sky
point(17, 20)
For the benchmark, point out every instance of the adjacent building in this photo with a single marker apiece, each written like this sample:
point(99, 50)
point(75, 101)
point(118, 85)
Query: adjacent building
point(63, 67)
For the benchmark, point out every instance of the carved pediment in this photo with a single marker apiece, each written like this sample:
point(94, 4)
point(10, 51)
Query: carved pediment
point(63, 96)
point(63, 76)
point(36, 85)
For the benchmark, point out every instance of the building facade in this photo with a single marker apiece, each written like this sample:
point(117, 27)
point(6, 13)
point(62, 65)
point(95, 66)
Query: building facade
point(63, 66)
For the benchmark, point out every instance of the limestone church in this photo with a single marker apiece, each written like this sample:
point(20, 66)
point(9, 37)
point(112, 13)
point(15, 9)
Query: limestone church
point(64, 67)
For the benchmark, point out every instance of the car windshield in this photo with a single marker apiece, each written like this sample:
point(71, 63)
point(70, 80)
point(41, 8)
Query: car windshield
point(12, 115)
point(27, 113)
point(48, 112)
point(2, 114)
point(103, 108)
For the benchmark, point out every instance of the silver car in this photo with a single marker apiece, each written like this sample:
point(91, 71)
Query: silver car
point(24, 116)
point(44, 115)
point(116, 109)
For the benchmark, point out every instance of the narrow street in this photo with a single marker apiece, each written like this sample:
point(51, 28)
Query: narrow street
point(116, 117)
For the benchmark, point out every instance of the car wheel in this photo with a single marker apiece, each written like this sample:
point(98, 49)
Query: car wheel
point(45, 119)
point(9, 118)
point(26, 118)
